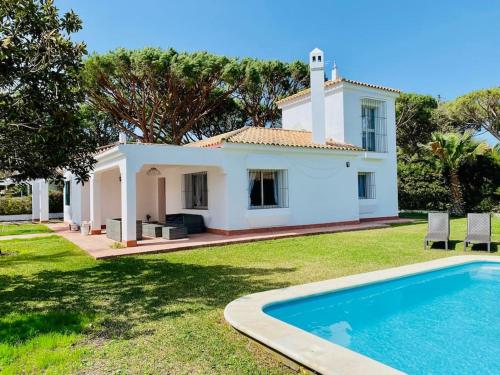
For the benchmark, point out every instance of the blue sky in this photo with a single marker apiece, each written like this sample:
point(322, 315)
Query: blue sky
point(438, 47)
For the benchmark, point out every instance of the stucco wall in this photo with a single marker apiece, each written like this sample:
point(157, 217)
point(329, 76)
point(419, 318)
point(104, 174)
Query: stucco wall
point(146, 198)
point(382, 164)
point(321, 188)
point(110, 194)
point(343, 123)
point(215, 215)
point(79, 209)
point(297, 116)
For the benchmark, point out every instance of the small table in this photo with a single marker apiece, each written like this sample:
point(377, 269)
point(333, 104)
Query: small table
point(174, 233)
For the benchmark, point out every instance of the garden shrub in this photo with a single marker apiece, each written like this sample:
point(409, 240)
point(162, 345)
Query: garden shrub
point(56, 201)
point(421, 187)
point(22, 205)
point(481, 183)
point(15, 205)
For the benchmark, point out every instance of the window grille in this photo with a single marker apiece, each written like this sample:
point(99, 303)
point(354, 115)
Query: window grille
point(195, 191)
point(267, 189)
point(373, 125)
point(366, 185)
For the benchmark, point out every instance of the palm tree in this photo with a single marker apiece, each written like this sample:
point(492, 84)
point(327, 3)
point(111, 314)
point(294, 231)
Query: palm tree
point(452, 150)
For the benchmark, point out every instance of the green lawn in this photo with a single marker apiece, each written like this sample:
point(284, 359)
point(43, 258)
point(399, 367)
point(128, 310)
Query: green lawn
point(15, 229)
point(61, 311)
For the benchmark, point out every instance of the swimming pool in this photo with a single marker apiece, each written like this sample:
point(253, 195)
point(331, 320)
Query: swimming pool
point(439, 322)
point(436, 317)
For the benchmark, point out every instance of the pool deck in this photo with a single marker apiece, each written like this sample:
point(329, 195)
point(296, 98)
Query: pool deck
point(100, 247)
point(246, 315)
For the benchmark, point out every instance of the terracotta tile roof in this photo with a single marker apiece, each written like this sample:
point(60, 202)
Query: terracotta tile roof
point(101, 149)
point(333, 83)
point(271, 137)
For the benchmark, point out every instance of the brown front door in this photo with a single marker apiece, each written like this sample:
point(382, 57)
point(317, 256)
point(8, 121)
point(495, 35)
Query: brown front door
point(161, 199)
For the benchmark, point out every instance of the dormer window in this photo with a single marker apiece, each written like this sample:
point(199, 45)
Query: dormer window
point(373, 125)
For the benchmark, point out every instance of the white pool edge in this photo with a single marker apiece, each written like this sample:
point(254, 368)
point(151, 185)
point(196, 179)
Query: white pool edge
point(246, 315)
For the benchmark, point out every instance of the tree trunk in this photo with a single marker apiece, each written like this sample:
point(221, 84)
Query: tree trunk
point(457, 201)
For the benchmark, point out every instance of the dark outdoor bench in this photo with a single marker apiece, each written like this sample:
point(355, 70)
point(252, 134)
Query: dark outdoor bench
point(193, 223)
point(174, 233)
point(114, 229)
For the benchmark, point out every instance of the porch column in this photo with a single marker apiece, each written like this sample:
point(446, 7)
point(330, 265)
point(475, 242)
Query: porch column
point(44, 201)
point(128, 204)
point(95, 203)
point(35, 200)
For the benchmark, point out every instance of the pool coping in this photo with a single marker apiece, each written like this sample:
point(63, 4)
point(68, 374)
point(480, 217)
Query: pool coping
point(246, 315)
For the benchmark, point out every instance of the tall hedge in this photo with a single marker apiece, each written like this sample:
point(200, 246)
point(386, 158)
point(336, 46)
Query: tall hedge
point(15, 205)
point(421, 187)
point(22, 205)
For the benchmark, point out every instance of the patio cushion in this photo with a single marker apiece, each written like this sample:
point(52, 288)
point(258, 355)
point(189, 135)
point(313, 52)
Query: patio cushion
point(478, 238)
point(152, 229)
point(436, 237)
point(174, 233)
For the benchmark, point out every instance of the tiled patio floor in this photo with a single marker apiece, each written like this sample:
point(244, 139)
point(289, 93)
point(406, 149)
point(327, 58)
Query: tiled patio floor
point(99, 247)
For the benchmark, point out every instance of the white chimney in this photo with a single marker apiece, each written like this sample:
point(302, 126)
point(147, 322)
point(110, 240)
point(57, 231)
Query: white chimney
point(317, 74)
point(122, 137)
point(335, 72)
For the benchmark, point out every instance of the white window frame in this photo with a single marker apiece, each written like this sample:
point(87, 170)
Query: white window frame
point(192, 199)
point(282, 189)
point(370, 187)
point(380, 125)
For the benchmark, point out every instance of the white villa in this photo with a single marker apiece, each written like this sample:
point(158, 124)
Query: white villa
point(333, 161)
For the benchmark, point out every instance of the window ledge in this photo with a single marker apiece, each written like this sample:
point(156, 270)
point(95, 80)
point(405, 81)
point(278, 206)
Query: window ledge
point(375, 155)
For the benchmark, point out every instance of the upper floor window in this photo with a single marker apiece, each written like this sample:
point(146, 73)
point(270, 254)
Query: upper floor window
point(373, 125)
point(196, 191)
point(366, 185)
point(267, 188)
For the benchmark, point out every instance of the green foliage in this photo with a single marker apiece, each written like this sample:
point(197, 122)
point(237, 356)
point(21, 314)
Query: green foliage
point(421, 186)
point(451, 152)
point(414, 124)
point(56, 201)
point(15, 205)
point(171, 97)
point(162, 94)
point(40, 91)
point(22, 205)
point(461, 167)
point(481, 183)
point(98, 124)
point(476, 111)
point(264, 84)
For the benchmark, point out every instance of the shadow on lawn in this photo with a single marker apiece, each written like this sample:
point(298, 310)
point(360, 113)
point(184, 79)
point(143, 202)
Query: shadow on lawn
point(127, 291)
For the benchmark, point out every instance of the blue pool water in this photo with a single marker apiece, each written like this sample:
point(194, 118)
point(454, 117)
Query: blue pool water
point(439, 322)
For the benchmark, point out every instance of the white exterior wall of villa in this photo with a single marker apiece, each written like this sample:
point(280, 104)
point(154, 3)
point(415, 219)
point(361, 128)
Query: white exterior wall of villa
point(384, 165)
point(321, 188)
point(343, 106)
point(215, 215)
point(78, 210)
point(297, 115)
